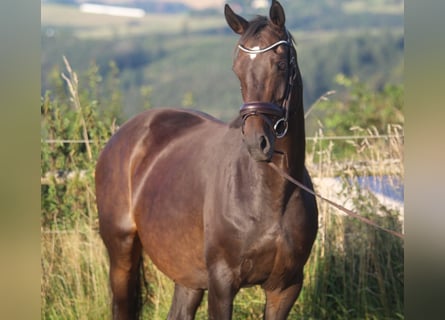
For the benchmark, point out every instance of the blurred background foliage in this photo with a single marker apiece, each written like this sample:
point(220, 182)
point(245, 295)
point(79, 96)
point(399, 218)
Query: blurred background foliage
point(185, 53)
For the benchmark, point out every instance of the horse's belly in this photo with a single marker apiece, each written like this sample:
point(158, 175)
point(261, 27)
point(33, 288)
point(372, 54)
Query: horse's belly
point(175, 245)
point(170, 224)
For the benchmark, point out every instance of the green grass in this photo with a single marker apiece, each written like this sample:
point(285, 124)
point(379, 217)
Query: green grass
point(353, 7)
point(74, 275)
point(360, 278)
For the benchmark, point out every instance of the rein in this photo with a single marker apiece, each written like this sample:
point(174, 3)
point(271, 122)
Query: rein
point(345, 210)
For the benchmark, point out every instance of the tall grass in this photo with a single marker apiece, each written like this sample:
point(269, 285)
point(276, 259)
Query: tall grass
point(354, 272)
point(74, 279)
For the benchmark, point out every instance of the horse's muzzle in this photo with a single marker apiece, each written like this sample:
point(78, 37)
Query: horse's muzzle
point(259, 136)
point(260, 146)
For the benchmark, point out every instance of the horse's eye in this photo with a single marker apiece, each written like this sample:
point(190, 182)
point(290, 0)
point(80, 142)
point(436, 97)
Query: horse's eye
point(282, 65)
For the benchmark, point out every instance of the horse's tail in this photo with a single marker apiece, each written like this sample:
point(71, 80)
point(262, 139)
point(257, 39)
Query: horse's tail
point(142, 290)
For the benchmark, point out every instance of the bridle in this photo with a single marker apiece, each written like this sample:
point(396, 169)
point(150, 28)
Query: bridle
point(268, 109)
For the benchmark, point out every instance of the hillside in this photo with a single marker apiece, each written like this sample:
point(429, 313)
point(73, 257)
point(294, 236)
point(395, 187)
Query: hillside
point(184, 59)
point(192, 4)
point(394, 6)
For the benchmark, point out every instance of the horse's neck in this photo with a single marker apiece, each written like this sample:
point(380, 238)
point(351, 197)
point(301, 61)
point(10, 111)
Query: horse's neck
point(297, 133)
point(290, 151)
point(264, 184)
point(299, 143)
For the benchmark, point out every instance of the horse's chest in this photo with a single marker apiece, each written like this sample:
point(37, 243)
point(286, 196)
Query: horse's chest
point(271, 256)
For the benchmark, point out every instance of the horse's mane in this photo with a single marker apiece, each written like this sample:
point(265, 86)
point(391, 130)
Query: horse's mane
point(236, 123)
point(256, 25)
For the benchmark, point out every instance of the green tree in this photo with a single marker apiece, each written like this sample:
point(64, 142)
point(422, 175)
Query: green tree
point(358, 106)
point(354, 111)
point(75, 125)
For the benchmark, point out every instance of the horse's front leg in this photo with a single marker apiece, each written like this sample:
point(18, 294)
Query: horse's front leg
point(279, 302)
point(221, 292)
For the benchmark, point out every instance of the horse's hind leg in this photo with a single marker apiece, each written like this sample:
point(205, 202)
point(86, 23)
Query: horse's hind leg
point(185, 303)
point(125, 262)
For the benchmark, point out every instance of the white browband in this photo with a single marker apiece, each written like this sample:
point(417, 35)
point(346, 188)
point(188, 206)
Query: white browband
point(255, 51)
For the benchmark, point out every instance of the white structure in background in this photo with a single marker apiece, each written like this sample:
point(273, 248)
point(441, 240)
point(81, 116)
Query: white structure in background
point(112, 10)
point(260, 4)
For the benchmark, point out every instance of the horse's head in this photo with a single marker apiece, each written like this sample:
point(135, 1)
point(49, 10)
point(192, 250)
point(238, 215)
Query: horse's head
point(265, 63)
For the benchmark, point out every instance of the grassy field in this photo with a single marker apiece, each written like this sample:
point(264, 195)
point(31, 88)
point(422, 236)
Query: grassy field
point(102, 26)
point(187, 59)
point(375, 7)
point(91, 25)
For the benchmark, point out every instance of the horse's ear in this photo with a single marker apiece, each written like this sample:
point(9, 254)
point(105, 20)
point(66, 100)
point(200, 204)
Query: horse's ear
point(276, 14)
point(235, 22)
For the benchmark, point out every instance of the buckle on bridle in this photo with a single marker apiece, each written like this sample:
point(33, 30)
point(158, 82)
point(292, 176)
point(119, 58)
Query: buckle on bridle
point(280, 128)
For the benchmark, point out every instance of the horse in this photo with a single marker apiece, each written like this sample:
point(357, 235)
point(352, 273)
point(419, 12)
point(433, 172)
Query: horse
point(198, 197)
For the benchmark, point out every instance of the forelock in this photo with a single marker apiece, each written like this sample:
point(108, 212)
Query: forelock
point(255, 27)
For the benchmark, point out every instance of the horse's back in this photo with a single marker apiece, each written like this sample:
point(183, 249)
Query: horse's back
point(147, 134)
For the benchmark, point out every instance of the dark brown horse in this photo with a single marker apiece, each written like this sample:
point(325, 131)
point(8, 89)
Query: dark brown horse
point(199, 197)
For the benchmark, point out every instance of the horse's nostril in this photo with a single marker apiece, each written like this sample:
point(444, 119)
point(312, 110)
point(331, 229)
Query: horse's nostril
point(263, 143)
